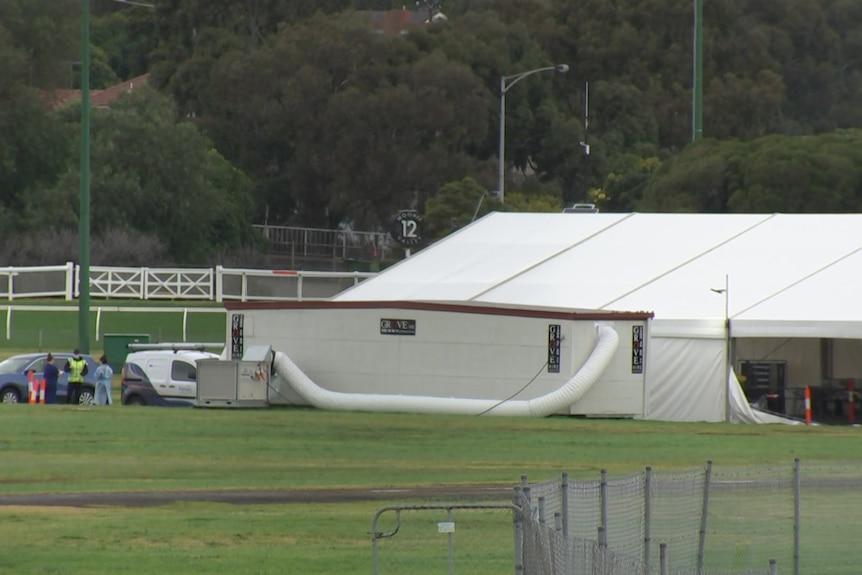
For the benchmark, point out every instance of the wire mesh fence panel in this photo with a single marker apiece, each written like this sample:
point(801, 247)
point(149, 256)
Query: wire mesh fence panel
point(625, 515)
point(790, 519)
point(750, 519)
point(584, 508)
point(441, 540)
point(676, 503)
point(550, 492)
point(830, 518)
point(589, 558)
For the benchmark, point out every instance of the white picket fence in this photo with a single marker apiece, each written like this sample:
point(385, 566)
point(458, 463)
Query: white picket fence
point(207, 284)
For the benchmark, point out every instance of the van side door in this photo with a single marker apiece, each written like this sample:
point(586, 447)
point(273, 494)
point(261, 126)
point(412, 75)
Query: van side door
point(184, 378)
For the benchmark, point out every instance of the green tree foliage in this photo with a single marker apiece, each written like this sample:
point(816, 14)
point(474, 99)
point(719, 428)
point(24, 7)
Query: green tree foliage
point(193, 34)
point(157, 174)
point(457, 205)
point(125, 35)
point(33, 145)
point(340, 124)
point(778, 173)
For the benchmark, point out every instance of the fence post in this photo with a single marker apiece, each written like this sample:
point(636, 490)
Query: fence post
point(145, 283)
point(70, 281)
point(603, 501)
point(219, 283)
point(796, 497)
point(773, 567)
point(701, 544)
point(565, 499)
point(542, 511)
point(10, 282)
point(9, 323)
point(299, 285)
point(450, 519)
point(565, 520)
point(517, 514)
point(662, 553)
point(647, 514)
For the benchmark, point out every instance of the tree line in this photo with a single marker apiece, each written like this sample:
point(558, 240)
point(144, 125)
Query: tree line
point(302, 112)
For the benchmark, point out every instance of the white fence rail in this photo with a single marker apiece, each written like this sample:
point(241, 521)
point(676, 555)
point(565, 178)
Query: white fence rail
point(207, 284)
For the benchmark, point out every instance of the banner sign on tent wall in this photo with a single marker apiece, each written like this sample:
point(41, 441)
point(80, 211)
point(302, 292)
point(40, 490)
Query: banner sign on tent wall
point(637, 349)
point(398, 326)
point(236, 335)
point(555, 333)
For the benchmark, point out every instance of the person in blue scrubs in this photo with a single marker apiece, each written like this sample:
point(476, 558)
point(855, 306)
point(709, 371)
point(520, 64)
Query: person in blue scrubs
point(51, 373)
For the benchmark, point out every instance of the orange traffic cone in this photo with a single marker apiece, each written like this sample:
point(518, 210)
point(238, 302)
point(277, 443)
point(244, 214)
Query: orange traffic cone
point(31, 388)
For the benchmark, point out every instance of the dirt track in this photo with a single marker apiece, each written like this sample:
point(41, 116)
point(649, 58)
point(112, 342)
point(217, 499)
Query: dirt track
point(248, 497)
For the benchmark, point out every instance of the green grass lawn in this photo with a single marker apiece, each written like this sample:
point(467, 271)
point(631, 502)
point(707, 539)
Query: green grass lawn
point(48, 330)
point(60, 448)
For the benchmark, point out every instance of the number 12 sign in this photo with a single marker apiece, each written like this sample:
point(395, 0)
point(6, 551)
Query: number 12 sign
point(406, 228)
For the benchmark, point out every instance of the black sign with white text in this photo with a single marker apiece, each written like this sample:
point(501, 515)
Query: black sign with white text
point(236, 336)
point(555, 332)
point(637, 349)
point(398, 326)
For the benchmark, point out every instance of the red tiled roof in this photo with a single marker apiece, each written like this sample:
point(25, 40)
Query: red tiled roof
point(103, 98)
point(98, 98)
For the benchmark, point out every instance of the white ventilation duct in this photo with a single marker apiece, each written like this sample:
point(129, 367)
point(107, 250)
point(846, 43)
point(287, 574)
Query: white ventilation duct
point(607, 341)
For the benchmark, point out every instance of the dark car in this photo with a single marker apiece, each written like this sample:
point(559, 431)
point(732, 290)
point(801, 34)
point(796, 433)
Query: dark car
point(14, 380)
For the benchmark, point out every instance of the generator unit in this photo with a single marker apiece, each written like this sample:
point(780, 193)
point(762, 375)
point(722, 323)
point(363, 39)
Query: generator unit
point(236, 383)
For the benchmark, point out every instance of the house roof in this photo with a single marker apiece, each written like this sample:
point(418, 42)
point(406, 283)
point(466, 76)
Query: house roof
point(98, 98)
point(399, 21)
point(793, 275)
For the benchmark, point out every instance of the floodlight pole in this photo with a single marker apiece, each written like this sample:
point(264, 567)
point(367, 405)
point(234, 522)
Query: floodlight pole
point(84, 195)
point(507, 82)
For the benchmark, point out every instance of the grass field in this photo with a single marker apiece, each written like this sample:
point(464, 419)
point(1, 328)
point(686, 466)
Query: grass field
point(60, 448)
point(47, 330)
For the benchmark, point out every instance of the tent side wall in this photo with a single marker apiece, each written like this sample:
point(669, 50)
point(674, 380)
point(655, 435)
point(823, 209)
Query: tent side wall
point(439, 353)
point(686, 380)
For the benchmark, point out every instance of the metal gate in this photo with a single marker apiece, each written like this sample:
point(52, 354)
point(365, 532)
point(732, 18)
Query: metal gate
point(431, 539)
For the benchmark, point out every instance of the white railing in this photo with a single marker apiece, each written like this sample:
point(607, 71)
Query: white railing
point(208, 284)
point(324, 244)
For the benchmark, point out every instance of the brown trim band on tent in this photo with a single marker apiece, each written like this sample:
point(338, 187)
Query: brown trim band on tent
point(550, 313)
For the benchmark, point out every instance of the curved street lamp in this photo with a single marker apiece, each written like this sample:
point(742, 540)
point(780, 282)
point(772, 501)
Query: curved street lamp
point(507, 82)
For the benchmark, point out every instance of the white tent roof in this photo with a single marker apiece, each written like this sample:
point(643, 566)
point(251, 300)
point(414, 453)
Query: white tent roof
point(791, 275)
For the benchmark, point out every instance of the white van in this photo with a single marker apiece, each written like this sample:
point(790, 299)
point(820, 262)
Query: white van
point(161, 376)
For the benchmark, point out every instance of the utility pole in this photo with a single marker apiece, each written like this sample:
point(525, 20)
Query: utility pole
point(697, 80)
point(84, 208)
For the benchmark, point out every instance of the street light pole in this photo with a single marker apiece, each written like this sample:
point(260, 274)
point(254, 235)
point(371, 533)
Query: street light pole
point(507, 82)
point(728, 352)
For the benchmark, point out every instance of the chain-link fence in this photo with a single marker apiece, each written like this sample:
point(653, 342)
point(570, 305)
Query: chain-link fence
point(788, 519)
point(712, 521)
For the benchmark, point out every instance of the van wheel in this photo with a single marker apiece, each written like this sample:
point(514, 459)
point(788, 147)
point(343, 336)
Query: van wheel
point(135, 400)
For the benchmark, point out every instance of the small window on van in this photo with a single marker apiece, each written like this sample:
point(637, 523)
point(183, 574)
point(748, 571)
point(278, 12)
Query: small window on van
point(181, 371)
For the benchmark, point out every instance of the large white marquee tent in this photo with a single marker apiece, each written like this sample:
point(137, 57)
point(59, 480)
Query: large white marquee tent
point(722, 287)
